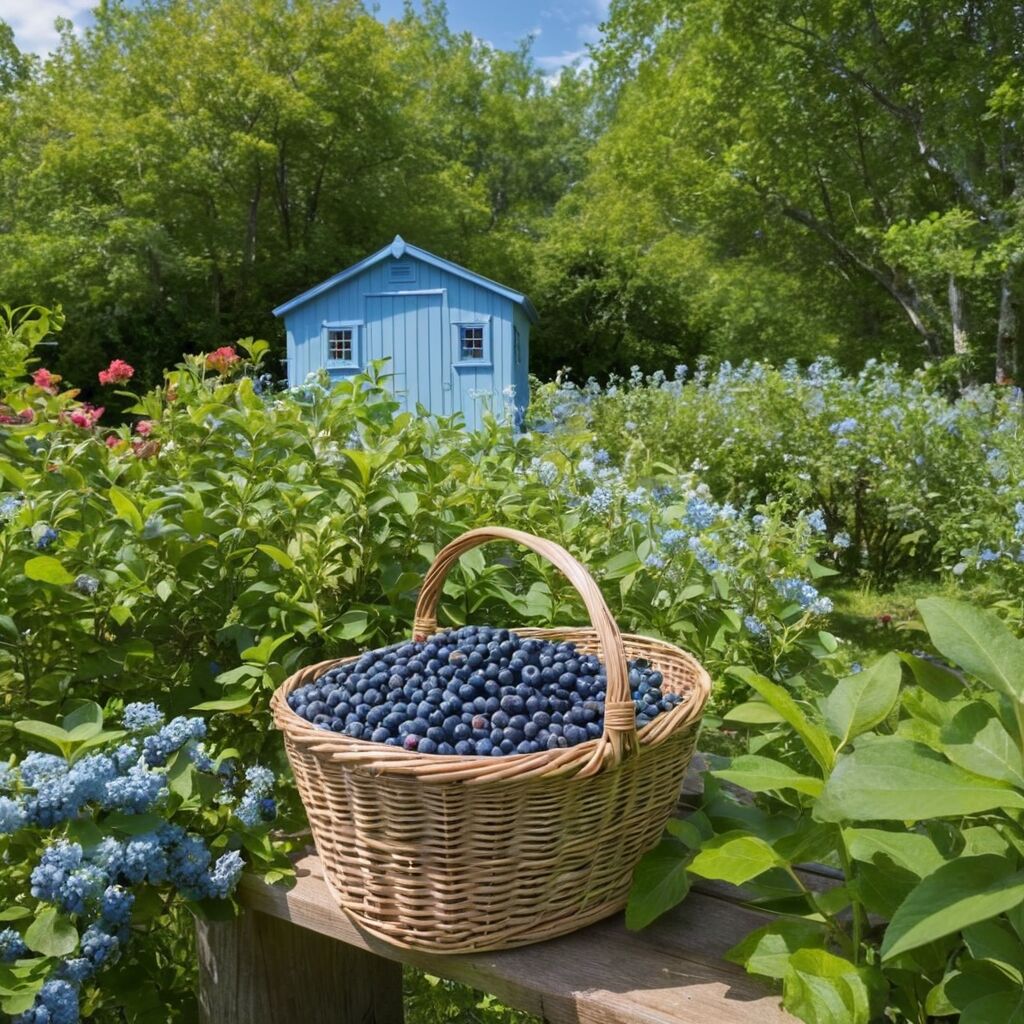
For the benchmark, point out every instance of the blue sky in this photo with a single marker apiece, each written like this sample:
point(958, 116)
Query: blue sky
point(561, 28)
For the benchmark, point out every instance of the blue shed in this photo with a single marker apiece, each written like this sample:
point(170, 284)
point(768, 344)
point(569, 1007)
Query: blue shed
point(456, 341)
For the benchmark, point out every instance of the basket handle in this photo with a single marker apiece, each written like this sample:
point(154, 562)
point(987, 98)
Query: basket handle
point(619, 737)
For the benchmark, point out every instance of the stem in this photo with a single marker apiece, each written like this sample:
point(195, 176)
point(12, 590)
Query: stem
point(855, 907)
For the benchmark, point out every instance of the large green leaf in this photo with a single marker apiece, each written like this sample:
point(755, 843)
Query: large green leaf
point(735, 858)
point(995, 1008)
point(859, 702)
point(911, 850)
point(961, 893)
point(125, 508)
point(47, 732)
point(978, 641)
point(814, 736)
point(660, 882)
point(48, 569)
point(894, 779)
point(823, 988)
point(51, 934)
point(762, 775)
point(976, 740)
point(993, 941)
point(768, 950)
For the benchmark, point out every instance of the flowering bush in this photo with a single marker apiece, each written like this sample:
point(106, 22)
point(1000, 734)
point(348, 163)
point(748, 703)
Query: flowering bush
point(106, 840)
point(892, 473)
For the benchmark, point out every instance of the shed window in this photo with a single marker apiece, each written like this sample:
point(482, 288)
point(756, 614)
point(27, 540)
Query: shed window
point(472, 342)
point(339, 344)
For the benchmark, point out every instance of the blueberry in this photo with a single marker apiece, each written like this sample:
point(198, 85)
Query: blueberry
point(484, 746)
point(463, 747)
point(380, 735)
point(437, 734)
point(411, 741)
point(427, 746)
point(355, 730)
point(512, 704)
point(462, 731)
point(506, 677)
point(445, 748)
point(507, 746)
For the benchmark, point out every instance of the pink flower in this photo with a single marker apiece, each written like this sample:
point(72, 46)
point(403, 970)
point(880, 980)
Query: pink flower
point(112, 441)
point(118, 372)
point(144, 427)
point(86, 416)
point(222, 359)
point(42, 378)
point(27, 415)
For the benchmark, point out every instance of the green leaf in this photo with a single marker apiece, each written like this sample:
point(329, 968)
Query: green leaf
point(753, 712)
point(942, 683)
point(976, 740)
point(735, 858)
point(1004, 1007)
point(51, 934)
point(814, 736)
point(763, 775)
point(234, 701)
point(911, 850)
point(180, 773)
point(859, 702)
point(822, 988)
point(48, 733)
point(284, 560)
point(993, 941)
point(353, 624)
point(125, 508)
point(978, 641)
point(362, 463)
point(14, 913)
point(960, 893)
point(48, 569)
point(660, 882)
point(899, 780)
point(768, 950)
point(85, 721)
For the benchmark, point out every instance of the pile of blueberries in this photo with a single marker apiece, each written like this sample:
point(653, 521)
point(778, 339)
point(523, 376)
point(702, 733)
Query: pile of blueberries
point(474, 690)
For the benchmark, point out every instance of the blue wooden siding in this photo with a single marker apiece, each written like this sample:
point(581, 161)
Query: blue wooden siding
point(416, 325)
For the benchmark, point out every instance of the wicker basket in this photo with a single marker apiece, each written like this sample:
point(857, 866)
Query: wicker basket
point(457, 854)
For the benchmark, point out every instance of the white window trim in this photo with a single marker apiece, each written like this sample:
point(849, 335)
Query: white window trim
point(356, 362)
point(487, 361)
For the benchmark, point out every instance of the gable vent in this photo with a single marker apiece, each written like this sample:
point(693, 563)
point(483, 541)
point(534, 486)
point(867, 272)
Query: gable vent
point(401, 273)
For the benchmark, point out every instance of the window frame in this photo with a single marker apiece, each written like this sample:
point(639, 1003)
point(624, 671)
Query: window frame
point(355, 326)
point(463, 362)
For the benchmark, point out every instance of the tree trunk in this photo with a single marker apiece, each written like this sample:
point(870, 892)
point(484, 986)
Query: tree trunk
point(1006, 331)
point(961, 346)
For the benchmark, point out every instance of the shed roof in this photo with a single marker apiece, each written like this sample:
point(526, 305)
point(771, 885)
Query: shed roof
point(396, 250)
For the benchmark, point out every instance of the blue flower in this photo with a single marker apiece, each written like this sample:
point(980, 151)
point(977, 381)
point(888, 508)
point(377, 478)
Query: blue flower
point(188, 860)
point(804, 594)
point(37, 766)
point(12, 815)
point(758, 521)
point(12, 947)
point(705, 557)
point(841, 540)
point(46, 538)
point(856, 667)
point(56, 1003)
point(98, 945)
point(599, 501)
point(601, 457)
point(221, 881)
point(135, 792)
point(700, 514)
point(82, 888)
point(846, 426)
point(86, 584)
point(139, 716)
point(53, 869)
point(754, 626)
point(816, 521)
point(9, 506)
point(116, 907)
point(261, 783)
point(637, 498)
point(76, 970)
point(172, 737)
point(988, 555)
point(680, 371)
point(1018, 528)
point(653, 561)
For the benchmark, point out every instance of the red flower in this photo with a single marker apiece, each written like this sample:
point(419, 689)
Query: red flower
point(86, 416)
point(27, 415)
point(222, 359)
point(884, 619)
point(42, 378)
point(144, 427)
point(118, 372)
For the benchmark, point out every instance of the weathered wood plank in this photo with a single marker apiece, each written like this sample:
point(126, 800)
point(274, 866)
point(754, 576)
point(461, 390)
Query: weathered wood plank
point(260, 969)
point(671, 973)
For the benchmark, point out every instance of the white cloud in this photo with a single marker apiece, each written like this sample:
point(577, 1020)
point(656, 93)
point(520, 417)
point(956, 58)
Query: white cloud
point(556, 61)
point(32, 20)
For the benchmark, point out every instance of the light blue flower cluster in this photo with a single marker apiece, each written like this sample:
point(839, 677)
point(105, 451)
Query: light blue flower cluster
point(86, 584)
point(12, 946)
point(600, 500)
point(57, 1003)
point(804, 594)
point(158, 748)
point(1018, 528)
point(816, 521)
point(10, 504)
point(256, 803)
point(700, 513)
point(754, 626)
point(841, 540)
point(140, 716)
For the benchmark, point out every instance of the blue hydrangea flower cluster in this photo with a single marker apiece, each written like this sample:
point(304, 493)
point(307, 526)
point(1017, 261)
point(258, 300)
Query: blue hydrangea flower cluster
point(86, 584)
point(12, 947)
point(140, 716)
point(257, 804)
point(157, 749)
point(804, 594)
point(841, 540)
point(1018, 527)
point(45, 538)
point(816, 521)
point(754, 626)
point(57, 1003)
point(10, 504)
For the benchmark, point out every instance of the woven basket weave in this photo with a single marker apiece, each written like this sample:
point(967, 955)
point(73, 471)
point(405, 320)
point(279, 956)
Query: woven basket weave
point(457, 854)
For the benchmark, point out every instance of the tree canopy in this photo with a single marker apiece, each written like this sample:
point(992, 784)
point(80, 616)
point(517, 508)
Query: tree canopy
point(737, 178)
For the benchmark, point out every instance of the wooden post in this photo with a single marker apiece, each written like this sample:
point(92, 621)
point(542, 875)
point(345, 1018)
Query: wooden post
point(257, 969)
